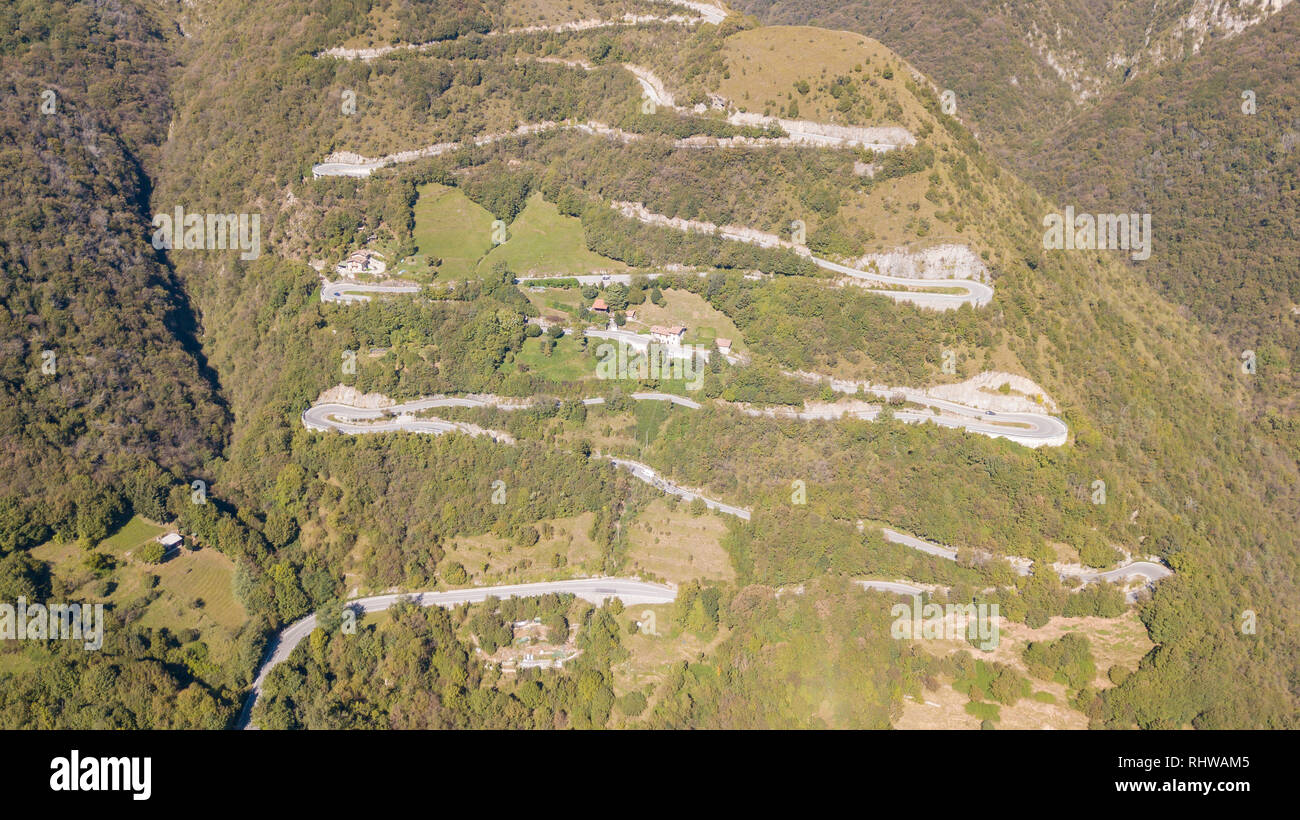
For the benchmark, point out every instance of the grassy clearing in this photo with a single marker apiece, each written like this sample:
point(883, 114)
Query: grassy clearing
point(1118, 641)
point(900, 215)
point(491, 559)
point(764, 65)
point(650, 652)
point(134, 534)
point(450, 227)
point(191, 589)
point(555, 304)
point(946, 708)
point(567, 363)
point(544, 242)
point(674, 545)
point(196, 593)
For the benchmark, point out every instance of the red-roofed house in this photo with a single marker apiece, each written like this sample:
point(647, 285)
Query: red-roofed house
point(599, 305)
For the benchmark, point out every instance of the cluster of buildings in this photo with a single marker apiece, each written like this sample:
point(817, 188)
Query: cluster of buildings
point(361, 262)
point(671, 336)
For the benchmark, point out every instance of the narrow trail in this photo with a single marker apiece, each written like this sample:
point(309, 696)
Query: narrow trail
point(703, 13)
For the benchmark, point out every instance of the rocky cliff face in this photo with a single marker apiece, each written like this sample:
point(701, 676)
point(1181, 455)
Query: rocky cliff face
point(346, 394)
point(937, 262)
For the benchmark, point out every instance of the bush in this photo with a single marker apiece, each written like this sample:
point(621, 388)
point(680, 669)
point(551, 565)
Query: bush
point(152, 553)
point(632, 704)
point(1118, 674)
point(100, 563)
point(454, 573)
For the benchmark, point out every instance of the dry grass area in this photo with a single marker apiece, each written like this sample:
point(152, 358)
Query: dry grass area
point(1119, 641)
point(1065, 553)
point(491, 558)
point(945, 708)
point(896, 209)
point(767, 70)
point(765, 63)
point(649, 656)
point(674, 545)
point(606, 431)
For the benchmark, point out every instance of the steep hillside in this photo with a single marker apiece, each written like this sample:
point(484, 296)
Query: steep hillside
point(1154, 403)
point(1211, 147)
point(1119, 106)
point(102, 370)
point(824, 213)
point(1010, 63)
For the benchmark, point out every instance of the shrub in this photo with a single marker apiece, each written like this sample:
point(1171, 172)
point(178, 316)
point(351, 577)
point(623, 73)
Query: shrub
point(454, 573)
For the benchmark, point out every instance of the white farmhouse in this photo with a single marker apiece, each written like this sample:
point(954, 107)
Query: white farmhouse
point(362, 261)
point(667, 336)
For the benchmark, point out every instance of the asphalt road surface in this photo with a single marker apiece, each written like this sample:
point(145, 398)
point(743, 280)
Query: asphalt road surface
point(897, 587)
point(1029, 429)
point(975, 294)
point(355, 291)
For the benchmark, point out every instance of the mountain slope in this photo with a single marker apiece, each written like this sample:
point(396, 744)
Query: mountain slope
point(101, 368)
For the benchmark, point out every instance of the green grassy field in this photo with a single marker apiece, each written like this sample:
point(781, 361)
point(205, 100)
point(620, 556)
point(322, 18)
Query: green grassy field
point(193, 588)
point(134, 534)
point(545, 242)
point(565, 364)
point(448, 226)
point(555, 304)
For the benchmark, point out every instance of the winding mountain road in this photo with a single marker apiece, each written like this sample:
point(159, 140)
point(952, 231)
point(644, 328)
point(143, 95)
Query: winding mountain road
point(706, 13)
point(352, 420)
point(631, 591)
point(973, 293)
point(1149, 571)
point(1028, 429)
